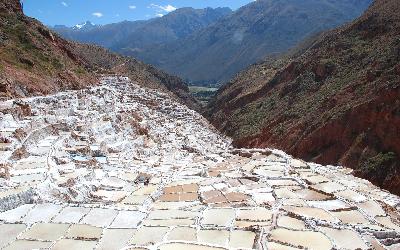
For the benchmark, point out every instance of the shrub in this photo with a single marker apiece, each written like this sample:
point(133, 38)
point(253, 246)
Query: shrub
point(378, 161)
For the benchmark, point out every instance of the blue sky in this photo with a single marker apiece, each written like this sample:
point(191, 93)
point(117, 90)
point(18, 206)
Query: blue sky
point(71, 12)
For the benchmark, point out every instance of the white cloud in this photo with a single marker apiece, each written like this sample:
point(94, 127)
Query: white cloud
point(168, 8)
point(159, 15)
point(65, 4)
point(132, 7)
point(97, 14)
point(165, 8)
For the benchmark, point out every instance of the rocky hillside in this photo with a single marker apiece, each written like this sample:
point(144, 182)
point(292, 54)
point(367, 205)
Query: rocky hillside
point(34, 60)
point(336, 103)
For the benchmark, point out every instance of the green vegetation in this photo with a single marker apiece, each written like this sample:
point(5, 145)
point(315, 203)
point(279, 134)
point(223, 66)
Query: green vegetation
point(79, 71)
point(57, 64)
point(25, 49)
point(249, 119)
point(197, 89)
point(380, 161)
point(203, 94)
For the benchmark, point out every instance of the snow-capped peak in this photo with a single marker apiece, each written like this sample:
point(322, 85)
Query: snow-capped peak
point(84, 25)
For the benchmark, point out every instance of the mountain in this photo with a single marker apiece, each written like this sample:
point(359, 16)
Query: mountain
point(261, 28)
point(136, 35)
point(85, 26)
point(103, 35)
point(337, 102)
point(34, 60)
point(169, 28)
point(208, 46)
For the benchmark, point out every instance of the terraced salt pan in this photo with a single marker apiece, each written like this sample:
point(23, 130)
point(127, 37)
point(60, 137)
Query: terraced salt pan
point(310, 212)
point(10, 232)
point(28, 244)
point(291, 223)
point(309, 239)
point(345, 239)
point(131, 168)
point(42, 213)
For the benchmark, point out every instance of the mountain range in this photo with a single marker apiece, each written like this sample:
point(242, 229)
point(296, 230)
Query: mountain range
point(209, 46)
point(86, 26)
point(333, 100)
point(138, 35)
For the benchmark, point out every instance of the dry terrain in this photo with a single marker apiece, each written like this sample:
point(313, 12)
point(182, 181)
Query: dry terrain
point(335, 101)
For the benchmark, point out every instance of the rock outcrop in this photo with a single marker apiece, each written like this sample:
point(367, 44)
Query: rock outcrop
point(11, 6)
point(337, 102)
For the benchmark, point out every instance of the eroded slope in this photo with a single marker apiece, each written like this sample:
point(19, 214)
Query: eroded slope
point(337, 103)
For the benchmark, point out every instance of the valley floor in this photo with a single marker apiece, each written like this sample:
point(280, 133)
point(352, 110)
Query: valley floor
point(119, 166)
